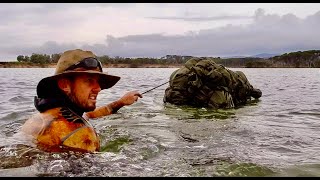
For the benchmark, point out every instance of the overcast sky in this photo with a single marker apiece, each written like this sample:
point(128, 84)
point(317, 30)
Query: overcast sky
point(155, 30)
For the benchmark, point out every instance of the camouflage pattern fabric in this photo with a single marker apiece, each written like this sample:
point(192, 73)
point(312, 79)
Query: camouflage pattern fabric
point(203, 83)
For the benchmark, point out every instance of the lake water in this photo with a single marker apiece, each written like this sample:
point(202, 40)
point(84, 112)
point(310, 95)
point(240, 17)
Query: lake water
point(279, 135)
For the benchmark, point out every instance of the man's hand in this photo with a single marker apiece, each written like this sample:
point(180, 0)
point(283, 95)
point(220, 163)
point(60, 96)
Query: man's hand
point(129, 98)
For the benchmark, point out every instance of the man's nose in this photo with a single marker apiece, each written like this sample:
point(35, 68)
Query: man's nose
point(96, 88)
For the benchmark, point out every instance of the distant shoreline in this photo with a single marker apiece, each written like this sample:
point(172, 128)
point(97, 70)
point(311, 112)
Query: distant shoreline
point(299, 59)
point(32, 65)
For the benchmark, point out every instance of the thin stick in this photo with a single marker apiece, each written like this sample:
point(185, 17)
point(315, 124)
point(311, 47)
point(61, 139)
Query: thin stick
point(160, 85)
point(155, 87)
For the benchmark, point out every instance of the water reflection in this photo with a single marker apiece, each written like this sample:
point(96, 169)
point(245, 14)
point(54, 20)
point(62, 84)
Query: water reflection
point(188, 112)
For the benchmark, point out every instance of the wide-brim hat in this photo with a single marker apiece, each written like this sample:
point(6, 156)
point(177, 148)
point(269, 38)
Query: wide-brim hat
point(48, 87)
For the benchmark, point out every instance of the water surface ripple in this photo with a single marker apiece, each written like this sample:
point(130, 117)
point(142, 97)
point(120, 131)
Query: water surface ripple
point(279, 135)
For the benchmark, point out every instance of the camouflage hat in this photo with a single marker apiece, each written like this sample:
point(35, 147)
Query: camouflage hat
point(48, 87)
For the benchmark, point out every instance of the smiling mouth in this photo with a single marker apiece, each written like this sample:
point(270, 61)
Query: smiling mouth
point(93, 97)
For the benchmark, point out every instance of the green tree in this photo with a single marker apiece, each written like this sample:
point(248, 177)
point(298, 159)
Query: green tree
point(20, 58)
point(55, 58)
point(40, 58)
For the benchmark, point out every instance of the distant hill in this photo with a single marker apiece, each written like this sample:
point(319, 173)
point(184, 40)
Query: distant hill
point(262, 55)
point(265, 55)
point(229, 57)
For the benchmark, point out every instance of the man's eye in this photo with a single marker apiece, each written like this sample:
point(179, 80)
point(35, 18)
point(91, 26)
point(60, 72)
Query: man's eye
point(90, 80)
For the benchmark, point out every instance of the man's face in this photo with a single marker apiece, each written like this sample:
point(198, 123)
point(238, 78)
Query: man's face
point(84, 91)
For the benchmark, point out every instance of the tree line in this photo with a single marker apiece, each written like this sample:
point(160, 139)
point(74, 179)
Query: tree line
point(310, 59)
point(39, 58)
point(297, 59)
point(105, 60)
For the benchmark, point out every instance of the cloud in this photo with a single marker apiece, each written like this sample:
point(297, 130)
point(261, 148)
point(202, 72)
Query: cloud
point(267, 33)
point(212, 18)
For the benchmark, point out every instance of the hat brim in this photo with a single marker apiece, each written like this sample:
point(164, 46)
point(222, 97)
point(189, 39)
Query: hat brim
point(48, 87)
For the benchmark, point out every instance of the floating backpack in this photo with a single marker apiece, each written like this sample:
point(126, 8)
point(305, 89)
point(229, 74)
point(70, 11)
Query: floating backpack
point(203, 83)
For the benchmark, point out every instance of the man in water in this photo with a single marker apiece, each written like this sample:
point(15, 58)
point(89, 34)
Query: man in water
point(67, 100)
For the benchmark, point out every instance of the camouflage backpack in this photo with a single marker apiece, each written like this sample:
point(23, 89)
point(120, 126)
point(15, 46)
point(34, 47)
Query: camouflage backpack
point(203, 83)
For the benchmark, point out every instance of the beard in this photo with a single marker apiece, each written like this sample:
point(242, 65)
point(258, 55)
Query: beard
point(81, 104)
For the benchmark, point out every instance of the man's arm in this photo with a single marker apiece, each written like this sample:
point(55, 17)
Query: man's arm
point(128, 99)
point(35, 125)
